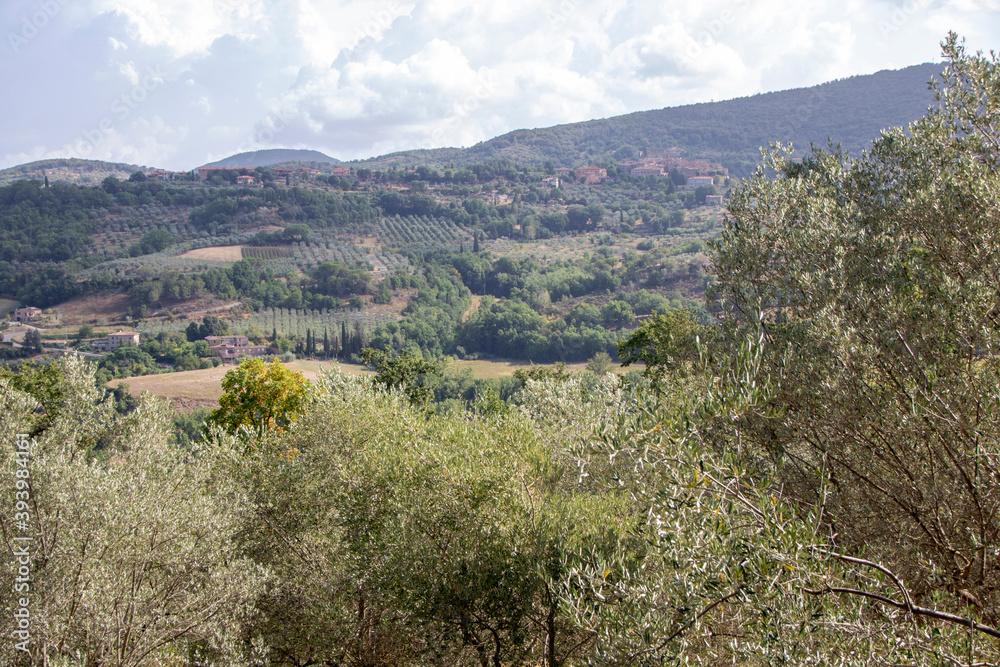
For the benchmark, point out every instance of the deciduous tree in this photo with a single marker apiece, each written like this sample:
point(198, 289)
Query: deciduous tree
point(259, 398)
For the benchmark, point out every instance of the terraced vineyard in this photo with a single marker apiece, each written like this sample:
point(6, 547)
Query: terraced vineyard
point(266, 252)
point(421, 231)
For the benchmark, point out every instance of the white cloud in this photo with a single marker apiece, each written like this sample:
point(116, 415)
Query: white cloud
point(356, 78)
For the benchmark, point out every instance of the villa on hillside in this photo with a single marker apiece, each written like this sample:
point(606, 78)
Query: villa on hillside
point(651, 170)
point(25, 314)
point(591, 175)
point(116, 340)
point(698, 181)
point(164, 175)
point(233, 347)
point(214, 341)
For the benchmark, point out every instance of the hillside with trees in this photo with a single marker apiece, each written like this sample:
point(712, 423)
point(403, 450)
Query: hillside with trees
point(272, 157)
point(849, 111)
point(68, 170)
point(306, 254)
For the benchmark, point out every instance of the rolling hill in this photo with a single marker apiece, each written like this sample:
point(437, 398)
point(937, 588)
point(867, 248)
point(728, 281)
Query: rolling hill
point(69, 170)
point(272, 157)
point(850, 111)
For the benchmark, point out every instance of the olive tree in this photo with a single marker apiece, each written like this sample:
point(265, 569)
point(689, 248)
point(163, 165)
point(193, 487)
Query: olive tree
point(132, 552)
point(874, 282)
point(401, 537)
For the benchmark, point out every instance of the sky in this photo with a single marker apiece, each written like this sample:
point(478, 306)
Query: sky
point(178, 83)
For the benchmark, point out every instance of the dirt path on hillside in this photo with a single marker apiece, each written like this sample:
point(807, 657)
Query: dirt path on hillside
point(473, 307)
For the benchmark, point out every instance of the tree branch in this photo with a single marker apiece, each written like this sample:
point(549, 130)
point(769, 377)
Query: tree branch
point(913, 609)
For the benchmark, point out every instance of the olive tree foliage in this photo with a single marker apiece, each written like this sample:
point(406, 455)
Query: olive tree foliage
point(406, 370)
point(398, 537)
point(732, 569)
point(132, 554)
point(874, 282)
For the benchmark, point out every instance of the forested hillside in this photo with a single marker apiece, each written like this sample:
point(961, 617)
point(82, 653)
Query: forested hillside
point(849, 111)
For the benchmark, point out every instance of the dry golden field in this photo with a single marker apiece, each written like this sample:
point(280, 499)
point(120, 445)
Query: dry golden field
point(93, 308)
point(188, 390)
point(226, 253)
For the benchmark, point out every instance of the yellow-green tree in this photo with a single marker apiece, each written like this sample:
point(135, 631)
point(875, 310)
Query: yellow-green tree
point(259, 398)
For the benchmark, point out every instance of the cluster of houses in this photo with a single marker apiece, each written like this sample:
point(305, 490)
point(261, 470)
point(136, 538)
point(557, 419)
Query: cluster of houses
point(697, 173)
point(661, 167)
point(164, 175)
point(253, 180)
point(587, 175)
point(227, 348)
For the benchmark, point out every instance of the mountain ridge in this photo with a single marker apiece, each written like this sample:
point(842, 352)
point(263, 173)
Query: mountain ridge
point(272, 156)
point(851, 111)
